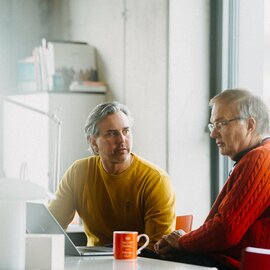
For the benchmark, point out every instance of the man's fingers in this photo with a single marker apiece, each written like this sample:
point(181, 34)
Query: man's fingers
point(172, 240)
point(168, 242)
point(160, 244)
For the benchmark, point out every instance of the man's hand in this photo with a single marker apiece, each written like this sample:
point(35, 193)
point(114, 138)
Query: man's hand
point(168, 242)
point(162, 246)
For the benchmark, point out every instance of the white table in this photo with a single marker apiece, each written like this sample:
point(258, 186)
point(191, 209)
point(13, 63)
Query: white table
point(108, 263)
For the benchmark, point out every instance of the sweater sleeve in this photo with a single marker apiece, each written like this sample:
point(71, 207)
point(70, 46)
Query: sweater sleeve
point(242, 200)
point(62, 206)
point(159, 209)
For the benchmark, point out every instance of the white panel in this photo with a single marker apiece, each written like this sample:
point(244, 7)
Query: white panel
point(25, 141)
point(188, 106)
point(146, 76)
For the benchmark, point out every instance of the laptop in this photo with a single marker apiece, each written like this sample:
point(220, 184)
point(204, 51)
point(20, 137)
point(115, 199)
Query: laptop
point(40, 220)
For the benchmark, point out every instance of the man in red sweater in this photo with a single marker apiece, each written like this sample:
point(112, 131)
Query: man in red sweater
point(240, 216)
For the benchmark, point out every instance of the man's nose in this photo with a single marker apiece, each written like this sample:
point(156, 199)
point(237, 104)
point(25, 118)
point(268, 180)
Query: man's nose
point(121, 137)
point(214, 133)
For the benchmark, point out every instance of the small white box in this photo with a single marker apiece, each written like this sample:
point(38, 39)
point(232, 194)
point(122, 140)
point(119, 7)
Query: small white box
point(45, 251)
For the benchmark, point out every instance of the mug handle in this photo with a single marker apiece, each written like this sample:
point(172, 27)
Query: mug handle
point(145, 244)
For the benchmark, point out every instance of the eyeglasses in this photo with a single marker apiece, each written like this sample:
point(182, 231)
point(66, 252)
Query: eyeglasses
point(220, 125)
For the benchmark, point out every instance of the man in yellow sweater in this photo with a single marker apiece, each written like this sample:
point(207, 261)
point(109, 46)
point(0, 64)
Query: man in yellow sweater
point(115, 189)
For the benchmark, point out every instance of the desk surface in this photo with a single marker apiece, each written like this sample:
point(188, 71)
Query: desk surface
point(108, 263)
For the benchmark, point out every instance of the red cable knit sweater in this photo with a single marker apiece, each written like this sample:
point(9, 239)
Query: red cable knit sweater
point(240, 216)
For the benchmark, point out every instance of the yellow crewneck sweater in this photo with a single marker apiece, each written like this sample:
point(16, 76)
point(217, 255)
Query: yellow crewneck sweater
point(139, 199)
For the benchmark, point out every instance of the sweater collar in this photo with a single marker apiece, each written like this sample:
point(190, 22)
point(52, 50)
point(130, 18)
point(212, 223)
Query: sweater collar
point(242, 153)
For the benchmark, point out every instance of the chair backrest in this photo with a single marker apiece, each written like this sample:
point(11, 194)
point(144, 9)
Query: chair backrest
point(184, 223)
point(255, 258)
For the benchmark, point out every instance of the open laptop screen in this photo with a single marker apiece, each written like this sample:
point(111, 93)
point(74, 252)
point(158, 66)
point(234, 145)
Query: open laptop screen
point(39, 220)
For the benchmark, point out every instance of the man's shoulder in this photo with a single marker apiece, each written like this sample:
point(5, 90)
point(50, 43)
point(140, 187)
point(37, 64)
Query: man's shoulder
point(257, 155)
point(148, 165)
point(78, 169)
point(85, 162)
point(266, 143)
point(263, 148)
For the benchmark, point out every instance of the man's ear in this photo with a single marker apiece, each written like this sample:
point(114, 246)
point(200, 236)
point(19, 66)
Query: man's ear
point(93, 144)
point(251, 124)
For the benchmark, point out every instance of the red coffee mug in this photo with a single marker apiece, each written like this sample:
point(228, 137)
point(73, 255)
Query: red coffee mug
point(125, 244)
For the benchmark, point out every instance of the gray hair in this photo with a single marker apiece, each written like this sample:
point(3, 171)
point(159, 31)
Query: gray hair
point(248, 105)
point(91, 128)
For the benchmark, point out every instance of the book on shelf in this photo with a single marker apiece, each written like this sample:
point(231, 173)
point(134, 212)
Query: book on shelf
point(40, 55)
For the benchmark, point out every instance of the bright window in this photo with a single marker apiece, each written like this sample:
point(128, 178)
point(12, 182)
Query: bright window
point(266, 73)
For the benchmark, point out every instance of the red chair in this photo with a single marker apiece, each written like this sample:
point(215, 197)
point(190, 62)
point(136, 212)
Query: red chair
point(184, 223)
point(255, 259)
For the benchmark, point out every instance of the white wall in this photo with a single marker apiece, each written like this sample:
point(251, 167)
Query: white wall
point(189, 154)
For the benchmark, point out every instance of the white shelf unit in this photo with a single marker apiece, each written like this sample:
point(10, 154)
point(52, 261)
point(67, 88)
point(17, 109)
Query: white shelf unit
point(29, 138)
